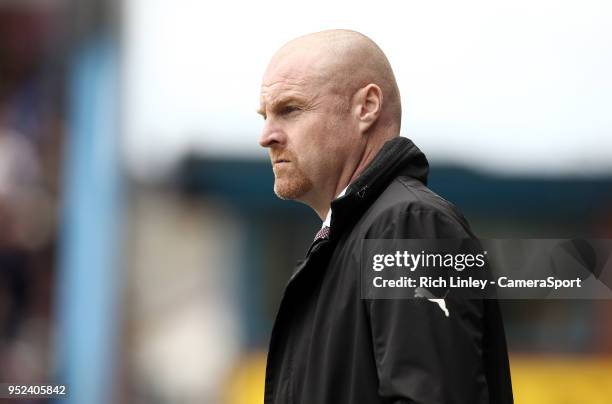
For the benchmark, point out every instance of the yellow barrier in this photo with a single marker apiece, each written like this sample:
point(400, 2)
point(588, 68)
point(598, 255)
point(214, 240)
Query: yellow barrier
point(245, 384)
point(561, 380)
point(535, 380)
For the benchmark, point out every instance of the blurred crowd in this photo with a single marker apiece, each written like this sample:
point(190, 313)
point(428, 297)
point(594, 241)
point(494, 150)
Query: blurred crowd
point(31, 131)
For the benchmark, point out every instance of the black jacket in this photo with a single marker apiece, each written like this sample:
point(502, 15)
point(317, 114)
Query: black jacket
point(329, 346)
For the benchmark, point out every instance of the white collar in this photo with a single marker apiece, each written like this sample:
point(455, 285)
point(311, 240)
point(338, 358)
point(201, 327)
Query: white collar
point(327, 221)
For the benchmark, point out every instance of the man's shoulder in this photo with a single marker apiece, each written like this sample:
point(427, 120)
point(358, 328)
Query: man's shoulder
point(405, 197)
point(406, 194)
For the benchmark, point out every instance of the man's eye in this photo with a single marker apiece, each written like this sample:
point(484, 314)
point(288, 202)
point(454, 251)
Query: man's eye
point(288, 109)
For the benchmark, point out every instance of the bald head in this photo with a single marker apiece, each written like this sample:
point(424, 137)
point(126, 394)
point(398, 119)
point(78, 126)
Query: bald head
point(330, 102)
point(342, 61)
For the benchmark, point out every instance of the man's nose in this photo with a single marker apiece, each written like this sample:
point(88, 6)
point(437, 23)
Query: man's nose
point(270, 135)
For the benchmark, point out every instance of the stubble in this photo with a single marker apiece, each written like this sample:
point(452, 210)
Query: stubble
point(289, 181)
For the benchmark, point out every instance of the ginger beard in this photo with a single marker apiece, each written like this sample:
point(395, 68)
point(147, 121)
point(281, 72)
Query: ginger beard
point(290, 182)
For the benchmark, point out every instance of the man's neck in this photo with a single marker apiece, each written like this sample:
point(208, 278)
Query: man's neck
point(327, 220)
point(351, 173)
point(323, 212)
point(348, 178)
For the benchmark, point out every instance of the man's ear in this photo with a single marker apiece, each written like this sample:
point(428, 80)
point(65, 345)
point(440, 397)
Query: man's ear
point(367, 106)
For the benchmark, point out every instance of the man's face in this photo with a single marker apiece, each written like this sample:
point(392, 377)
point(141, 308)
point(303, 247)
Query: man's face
point(307, 131)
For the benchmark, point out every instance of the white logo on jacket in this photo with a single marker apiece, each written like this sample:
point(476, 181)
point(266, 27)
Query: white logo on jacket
point(424, 293)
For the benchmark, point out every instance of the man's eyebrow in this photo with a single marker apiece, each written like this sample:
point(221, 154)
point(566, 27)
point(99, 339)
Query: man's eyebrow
point(281, 101)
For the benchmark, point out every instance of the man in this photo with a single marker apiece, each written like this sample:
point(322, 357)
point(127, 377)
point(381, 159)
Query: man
point(332, 120)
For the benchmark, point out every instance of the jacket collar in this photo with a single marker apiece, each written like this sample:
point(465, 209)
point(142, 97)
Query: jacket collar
point(398, 156)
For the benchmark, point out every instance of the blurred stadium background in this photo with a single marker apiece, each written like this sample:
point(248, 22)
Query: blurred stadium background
point(142, 251)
